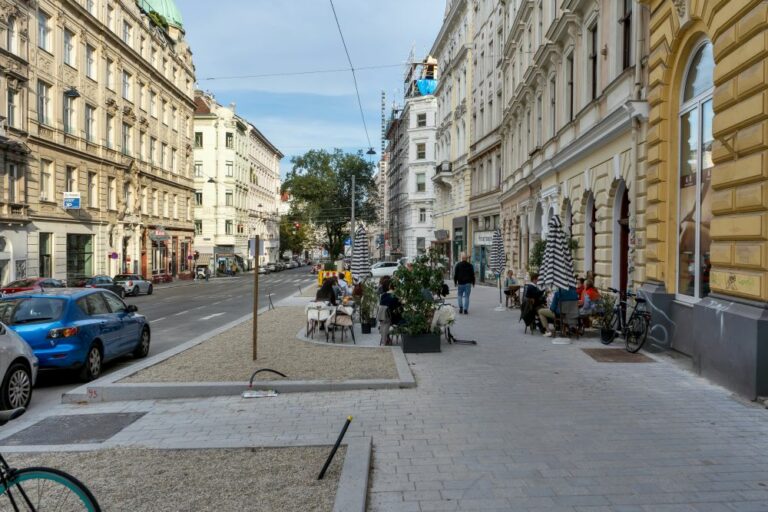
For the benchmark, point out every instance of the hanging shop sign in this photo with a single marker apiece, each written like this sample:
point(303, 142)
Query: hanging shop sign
point(159, 234)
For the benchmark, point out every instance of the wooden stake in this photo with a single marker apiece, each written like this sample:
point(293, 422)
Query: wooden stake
point(257, 254)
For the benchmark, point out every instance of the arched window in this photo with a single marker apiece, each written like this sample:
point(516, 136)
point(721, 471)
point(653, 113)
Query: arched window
point(695, 195)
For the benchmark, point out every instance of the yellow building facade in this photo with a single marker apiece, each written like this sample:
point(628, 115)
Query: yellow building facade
point(705, 220)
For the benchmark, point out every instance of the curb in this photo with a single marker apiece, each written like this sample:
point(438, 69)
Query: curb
point(352, 493)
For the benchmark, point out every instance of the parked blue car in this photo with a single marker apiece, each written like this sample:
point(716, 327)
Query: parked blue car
point(76, 328)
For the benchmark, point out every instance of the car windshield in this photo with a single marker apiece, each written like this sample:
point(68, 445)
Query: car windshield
point(123, 277)
point(30, 310)
point(22, 283)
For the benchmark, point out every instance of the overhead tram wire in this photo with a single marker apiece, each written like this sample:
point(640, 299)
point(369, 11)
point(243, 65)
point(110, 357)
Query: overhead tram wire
point(297, 73)
point(352, 69)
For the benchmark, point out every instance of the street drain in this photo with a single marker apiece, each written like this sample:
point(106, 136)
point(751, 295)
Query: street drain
point(615, 355)
point(73, 429)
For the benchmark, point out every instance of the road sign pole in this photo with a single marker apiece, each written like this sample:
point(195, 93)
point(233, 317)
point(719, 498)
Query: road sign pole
point(256, 297)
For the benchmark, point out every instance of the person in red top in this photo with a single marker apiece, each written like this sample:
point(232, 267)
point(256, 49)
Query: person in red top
point(589, 291)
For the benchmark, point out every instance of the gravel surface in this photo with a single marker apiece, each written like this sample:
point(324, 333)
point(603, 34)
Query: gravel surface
point(220, 480)
point(228, 356)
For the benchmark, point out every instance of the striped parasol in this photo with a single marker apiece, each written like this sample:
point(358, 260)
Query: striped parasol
point(498, 259)
point(557, 268)
point(361, 257)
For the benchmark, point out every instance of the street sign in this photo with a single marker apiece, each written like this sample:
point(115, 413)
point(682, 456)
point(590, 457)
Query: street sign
point(347, 241)
point(159, 234)
point(71, 200)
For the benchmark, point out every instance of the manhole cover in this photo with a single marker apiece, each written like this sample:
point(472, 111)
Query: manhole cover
point(73, 429)
point(615, 355)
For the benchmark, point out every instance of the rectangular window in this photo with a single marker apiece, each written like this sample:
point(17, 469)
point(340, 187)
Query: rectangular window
point(13, 99)
point(93, 187)
point(230, 169)
point(110, 74)
point(166, 205)
point(626, 34)
point(227, 227)
point(111, 194)
point(593, 49)
point(70, 179)
point(110, 131)
point(422, 215)
point(46, 181)
point(421, 151)
point(421, 120)
point(198, 139)
point(155, 205)
point(127, 142)
point(228, 198)
point(189, 209)
point(111, 18)
point(90, 123)
point(198, 169)
point(198, 198)
point(175, 206)
point(152, 149)
point(569, 86)
point(79, 255)
point(421, 245)
point(43, 31)
point(198, 227)
point(421, 182)
point(163, 151)
point(43, 103)
point(144, 200)
point(173, 161)
point(46, 254)
point(90, 62)
point(69, 48)
point(165, 112)
point(127, 33)
point(127, 79)
point(11, 35)
point(229, 140)
point(13, 185)
point(69, 114)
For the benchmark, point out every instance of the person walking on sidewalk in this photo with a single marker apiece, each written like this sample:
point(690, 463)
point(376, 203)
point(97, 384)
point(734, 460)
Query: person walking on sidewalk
point(464, 279)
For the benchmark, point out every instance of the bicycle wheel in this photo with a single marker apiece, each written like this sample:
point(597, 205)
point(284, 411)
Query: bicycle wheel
point(608, 327)
point(637, 332)
point(40, 489)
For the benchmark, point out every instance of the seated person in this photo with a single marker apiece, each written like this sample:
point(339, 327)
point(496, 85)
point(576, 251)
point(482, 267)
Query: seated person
point(326, 292)
point(393, 304)
point(532, 290)
point(547, 315)
point(589, 299)
point(580, 287)
point(342, 284)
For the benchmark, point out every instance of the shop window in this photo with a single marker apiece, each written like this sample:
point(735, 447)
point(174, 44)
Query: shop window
point(46, 253)
point(695, 194)
point(79, 255)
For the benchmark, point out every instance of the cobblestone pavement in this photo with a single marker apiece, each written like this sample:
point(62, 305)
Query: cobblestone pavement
point(515, 423)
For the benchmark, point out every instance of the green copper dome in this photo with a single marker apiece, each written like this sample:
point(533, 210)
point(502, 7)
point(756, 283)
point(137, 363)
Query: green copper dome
point(167, 8)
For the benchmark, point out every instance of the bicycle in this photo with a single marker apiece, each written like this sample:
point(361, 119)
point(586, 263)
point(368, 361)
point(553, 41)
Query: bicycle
point(40, 489)
point(634, 330)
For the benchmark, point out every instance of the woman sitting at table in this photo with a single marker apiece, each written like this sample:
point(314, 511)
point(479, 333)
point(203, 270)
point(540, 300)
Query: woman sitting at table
point(509, 283)
point(326, 292)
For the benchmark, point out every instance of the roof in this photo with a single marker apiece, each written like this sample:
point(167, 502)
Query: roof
point(167, 8)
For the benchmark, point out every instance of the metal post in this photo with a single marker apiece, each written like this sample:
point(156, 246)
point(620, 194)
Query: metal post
point(257, 252)
point(352, 234)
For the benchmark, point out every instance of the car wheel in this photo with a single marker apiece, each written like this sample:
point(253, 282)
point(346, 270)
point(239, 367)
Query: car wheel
point(142, 349)
point(135, 291)
point(149, 290)
point(17, 387)
point(92, 365)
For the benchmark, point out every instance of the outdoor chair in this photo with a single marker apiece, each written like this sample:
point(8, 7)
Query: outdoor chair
point(386, 329)
point(569, 317)
point(317, 313)
point(342, 319)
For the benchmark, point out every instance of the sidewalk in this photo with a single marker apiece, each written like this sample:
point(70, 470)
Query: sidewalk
point(514, 424)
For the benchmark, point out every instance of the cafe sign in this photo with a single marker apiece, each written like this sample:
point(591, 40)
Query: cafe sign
point(483, 237)
point(158, 234)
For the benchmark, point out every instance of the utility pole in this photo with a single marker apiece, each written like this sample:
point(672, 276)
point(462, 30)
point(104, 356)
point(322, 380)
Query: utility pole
point(257, 253)
point(352, 235)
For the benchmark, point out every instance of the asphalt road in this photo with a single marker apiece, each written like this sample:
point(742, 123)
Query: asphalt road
point(183, 311)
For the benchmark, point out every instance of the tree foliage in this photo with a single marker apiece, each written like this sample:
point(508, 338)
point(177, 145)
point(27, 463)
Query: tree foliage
point(320, 185)
point(292, 238)
point(425, 274)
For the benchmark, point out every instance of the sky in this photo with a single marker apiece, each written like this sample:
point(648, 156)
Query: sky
point(313, 111)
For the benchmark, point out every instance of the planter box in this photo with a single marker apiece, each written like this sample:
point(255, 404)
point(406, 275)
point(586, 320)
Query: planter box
point(421, 343)
point(365, 328)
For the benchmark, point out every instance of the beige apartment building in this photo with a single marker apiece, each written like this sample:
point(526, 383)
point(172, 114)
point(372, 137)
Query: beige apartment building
point(452, 178)
point(573, 131)
point(98, 101)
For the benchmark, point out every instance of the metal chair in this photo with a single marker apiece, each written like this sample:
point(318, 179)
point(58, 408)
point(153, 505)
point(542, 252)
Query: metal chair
point(343, 320)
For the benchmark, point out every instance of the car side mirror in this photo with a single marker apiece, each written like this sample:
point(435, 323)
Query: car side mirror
point(132, 308)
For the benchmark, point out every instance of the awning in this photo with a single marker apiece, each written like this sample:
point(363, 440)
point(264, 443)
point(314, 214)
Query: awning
point(204, 259)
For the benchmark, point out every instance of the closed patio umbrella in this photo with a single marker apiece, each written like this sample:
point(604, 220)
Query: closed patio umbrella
point(498, 260)
point(361, 257)
point(557, 268)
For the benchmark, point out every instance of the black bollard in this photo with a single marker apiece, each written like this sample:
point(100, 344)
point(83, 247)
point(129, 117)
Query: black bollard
point(335, 448)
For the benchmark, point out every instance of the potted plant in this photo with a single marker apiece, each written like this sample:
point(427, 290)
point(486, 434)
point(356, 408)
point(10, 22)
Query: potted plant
point(415, 288)
point(368, 303)
point(536, 259)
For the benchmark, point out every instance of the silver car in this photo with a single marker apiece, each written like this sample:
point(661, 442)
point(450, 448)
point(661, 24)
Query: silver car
point(18, 366)
point(134, 284)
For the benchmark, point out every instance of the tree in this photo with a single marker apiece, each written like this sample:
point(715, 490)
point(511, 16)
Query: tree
point(294, 237)
point(320, 185)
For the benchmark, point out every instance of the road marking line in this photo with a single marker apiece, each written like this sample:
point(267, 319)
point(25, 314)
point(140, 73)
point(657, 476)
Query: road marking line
point(210, 316)
point(159, 319)
point(181, 313)
point(199, 307)
point(217, 302)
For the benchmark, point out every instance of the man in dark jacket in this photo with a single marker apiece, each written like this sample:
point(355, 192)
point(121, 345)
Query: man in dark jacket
point(464, 279)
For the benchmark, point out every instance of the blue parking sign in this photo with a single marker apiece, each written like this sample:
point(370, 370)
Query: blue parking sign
point(71, 200)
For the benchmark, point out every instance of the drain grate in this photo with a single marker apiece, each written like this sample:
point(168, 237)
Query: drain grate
point(615, 355)
point(73, 429)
